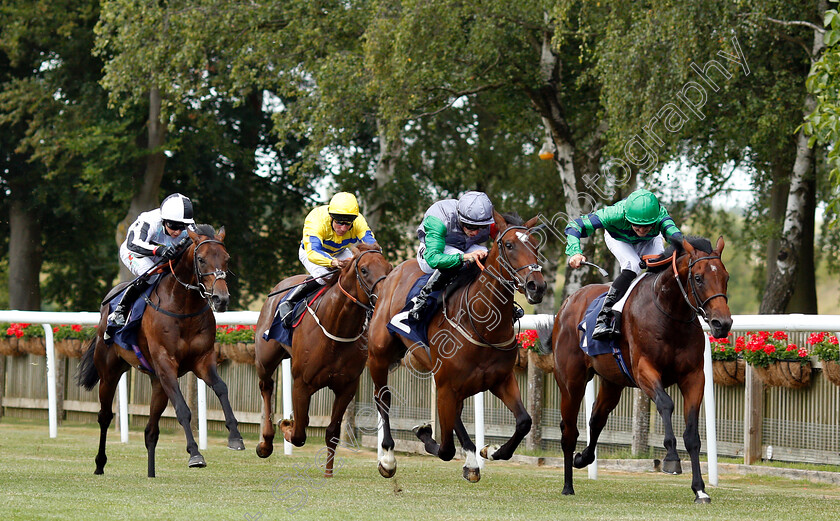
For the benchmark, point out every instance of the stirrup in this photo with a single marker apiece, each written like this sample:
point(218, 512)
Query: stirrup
point(117, 318)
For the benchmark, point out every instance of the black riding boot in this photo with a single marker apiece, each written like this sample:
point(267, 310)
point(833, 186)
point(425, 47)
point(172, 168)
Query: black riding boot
point(284, 310)
point(605, 328)
point(436, 282)
point(134, 290)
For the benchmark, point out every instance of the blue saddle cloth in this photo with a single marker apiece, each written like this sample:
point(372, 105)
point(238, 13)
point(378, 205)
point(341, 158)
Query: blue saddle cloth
point(416, 332)
point(126, 336)
point(593, 347)
point(278, 331)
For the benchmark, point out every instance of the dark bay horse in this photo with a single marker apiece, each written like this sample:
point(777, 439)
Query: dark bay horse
point(328, 348)
point(473, 347)
point(661, 342)
point(176, 335)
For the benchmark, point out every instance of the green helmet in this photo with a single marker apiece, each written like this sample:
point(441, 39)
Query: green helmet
point(641, 208)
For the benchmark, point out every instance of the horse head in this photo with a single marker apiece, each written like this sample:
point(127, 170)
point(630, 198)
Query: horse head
point(707, 279)
point(210, 265)
point(370, 268)
point(517, 252)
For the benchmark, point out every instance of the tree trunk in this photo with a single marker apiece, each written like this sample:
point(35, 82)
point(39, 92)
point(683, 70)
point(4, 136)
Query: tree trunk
point(536, 379)
point(390, 150)
point(25, 256)
point(147, 197)
point(641, 422)
point(804, 298)
point(779, 191)
point(781, 281)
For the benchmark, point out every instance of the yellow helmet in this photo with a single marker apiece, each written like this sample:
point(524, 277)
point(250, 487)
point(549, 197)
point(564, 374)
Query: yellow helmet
point(343, 205)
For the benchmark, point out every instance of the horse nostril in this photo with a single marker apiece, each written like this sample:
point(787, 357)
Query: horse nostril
point(531, 286)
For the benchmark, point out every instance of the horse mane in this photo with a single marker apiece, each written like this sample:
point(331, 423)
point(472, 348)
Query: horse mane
point(699, 243)
point(205, 229)
point(513, 219)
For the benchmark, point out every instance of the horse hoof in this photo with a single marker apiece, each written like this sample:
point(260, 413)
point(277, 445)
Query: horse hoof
point(488, 451)
point(264, 450)
point(578, 461)
point(385, 473)
point(422, 430)
point(236, 444)
point(568, 491)
point(472, 475)
point(197, 462)
point(672, 467)
point(286, 427)
point(98, 472)
point(700, 500)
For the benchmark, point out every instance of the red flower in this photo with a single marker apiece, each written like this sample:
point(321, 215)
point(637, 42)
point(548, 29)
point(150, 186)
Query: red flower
point(76, 327)
point(780, 335)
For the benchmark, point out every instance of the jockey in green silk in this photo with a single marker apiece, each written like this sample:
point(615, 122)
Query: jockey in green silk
point(632, 228)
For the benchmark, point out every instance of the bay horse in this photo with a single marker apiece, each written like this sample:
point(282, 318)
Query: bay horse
point(472, 344)
point(177, 333)
point(328, 348)
point(662, 344)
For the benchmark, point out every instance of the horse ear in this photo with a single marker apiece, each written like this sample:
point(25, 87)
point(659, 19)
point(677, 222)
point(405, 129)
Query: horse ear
point(688, 247)
point(720, 245)
point(501, 223)
point(531, 222)
point(192, 235)
point(221, 235)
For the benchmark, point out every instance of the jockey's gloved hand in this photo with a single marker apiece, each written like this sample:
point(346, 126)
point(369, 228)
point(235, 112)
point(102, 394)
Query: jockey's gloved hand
point(676, 241)
point(167, 252)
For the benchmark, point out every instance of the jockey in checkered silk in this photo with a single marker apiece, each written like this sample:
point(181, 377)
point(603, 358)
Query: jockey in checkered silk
point(453, 233)
point(632, 228)
point(151, 239)
point(329, 232)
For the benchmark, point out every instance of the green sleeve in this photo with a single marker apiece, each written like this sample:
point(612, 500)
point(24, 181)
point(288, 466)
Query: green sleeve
point(435, 241)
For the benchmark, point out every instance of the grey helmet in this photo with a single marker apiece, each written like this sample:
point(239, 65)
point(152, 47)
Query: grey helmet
point(475, 208)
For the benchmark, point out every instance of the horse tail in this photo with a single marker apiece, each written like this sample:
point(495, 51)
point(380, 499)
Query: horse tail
point(544, 331)
point(88, 375)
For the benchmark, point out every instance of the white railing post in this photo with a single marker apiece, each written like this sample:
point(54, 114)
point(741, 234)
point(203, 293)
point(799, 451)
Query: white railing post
point(479, 427)
point(589, 402)
point(52, 401)
point(123, 392)
point(711, 422)
point(201, 389)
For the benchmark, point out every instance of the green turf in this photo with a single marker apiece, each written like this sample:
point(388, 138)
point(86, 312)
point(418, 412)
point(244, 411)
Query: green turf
point(45, 478)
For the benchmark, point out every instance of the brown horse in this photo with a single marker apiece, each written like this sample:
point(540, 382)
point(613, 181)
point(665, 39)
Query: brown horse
point(176, 335)
point(661, 342)
point(328, 348)
point(472, 344)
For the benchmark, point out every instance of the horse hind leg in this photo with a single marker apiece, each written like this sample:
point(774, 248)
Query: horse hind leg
point(472, 470)
point(169, 382)
point(266, 375)
point(108, 368)
point(378, 366)
point(294, 431)
point(343, 398)
point(665, 406)
point(693, 396)
point(152, 432)
point(608, 397)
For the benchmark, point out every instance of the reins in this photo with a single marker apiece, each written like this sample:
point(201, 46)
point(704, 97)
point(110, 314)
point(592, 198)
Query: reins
point(697, 309)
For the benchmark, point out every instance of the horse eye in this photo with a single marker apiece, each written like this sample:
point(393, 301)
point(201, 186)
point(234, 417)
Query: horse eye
point(201, 261)
point(509, 245)
point(364, 271)
point(698, 279)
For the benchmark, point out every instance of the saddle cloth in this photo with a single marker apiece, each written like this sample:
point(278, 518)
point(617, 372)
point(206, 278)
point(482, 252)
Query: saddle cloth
point(278, 331)
point(416, 332)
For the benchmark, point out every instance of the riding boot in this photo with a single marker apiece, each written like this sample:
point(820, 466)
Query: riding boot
point(608, 324)
point(436, 282)
point(284, 310)
point(134, 290)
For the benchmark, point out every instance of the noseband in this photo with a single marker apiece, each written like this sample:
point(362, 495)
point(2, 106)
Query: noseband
point(517, 282)
point(699, 309)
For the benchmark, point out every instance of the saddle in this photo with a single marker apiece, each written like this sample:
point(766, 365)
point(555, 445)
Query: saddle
point(278, 331)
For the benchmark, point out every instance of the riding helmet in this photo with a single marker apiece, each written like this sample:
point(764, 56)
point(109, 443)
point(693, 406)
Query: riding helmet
point(475, 208)
point(641, 208)
point(343, 206)
point(178, 208)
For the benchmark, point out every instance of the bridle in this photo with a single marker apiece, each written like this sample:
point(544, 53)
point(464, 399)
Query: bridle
point(518, 282)
point(692, 284)
point(368, 290)
point(199, 275)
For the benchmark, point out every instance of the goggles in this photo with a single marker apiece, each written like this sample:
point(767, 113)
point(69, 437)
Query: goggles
point(175, 225)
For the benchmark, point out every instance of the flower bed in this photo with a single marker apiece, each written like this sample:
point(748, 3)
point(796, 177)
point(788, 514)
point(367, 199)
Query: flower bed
point(728, 368)
point(825, 347)
point(777, 361)
point(235, 343)
point(529, 341)
point(21, 338)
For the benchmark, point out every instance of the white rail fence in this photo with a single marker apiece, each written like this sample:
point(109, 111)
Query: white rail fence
point(790, 323)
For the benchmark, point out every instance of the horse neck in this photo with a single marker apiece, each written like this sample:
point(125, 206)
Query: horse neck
point(487, 290)
point(666, 287)
point(187, 300)
point(348, 315)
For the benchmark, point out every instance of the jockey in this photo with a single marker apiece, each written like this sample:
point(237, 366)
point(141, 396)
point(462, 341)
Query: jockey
point(328, 233)
point(153, 237)
point(451, 235)
point(631, 230)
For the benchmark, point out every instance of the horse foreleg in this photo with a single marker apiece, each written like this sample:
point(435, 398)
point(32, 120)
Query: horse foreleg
point(608, 397)
point(692, 391)
point(382, 397)
point(152, 432)
point(207, 372)
point(167, 374)
point(572, 385)
point(650, 381)
point(448, 411)
point(508, 392)
point(265, 372)
point(472, 471)
point(343, 397)
point(294, 431)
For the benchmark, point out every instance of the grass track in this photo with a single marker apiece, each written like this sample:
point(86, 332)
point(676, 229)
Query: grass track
point(45, 478)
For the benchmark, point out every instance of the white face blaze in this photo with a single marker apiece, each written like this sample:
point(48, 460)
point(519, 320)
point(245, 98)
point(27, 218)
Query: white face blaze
point(523, 237)
point(714, 268)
